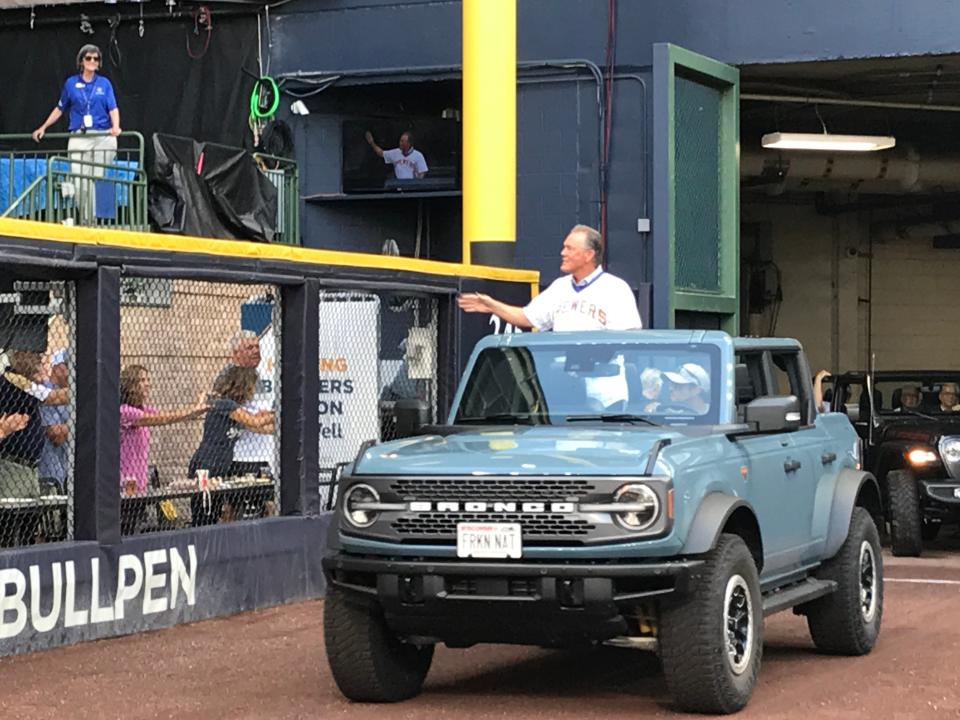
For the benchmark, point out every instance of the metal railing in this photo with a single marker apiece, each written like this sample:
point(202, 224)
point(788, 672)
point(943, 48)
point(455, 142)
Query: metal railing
point(43, 181)
point(284, 176)
point(46, 182)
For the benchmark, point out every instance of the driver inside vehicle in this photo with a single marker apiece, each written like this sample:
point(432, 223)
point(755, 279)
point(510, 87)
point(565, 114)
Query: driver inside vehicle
point(909, 399)
point(689, 388)
point(949, 398)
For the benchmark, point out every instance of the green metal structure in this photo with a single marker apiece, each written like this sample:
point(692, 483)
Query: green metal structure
point(284, 175)
point(43, 182)
point(696, 191)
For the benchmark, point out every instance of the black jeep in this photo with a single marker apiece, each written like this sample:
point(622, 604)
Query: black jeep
point(910, 426)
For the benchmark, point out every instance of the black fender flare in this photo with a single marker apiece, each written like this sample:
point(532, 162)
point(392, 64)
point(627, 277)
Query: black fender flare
point(850, 483)
point(705, 528)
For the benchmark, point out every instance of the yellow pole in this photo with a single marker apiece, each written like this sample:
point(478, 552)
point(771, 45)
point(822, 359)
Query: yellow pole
point(489, 131)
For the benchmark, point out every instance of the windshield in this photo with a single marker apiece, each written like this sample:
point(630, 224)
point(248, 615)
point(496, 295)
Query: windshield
point(557, 383)
point(910, 394)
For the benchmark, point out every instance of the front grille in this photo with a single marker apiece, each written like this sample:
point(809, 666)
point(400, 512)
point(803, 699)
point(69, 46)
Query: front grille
point(533, 525)
point(491, 488)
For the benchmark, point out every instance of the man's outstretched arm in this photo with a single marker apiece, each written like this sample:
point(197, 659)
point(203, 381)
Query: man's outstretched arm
point(372, 143)
point(478, 302)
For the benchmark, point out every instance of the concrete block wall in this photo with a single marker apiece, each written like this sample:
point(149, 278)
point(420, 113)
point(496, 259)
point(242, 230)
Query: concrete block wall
point(843, 306)
point(916, 293)
point(819, 282)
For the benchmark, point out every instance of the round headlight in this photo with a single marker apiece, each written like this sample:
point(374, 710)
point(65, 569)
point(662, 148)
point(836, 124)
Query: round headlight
point(353, 505)
point(641, 506)
point(950, 449)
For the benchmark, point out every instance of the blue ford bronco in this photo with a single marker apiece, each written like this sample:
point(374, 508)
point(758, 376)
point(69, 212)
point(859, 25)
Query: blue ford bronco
point(660, 490)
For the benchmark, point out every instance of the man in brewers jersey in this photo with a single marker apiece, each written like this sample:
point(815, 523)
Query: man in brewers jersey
point(586, 297)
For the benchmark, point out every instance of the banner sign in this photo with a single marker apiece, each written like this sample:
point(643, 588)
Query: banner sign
point(349, 403)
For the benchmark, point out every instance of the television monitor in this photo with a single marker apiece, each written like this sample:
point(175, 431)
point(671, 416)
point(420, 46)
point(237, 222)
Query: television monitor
point(365, 172)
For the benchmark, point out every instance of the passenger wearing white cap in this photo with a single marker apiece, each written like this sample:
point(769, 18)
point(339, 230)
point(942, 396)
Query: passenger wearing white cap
point(690, 385)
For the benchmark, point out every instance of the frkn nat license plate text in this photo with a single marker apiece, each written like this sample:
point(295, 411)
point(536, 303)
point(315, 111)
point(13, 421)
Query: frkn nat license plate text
point(489, 540)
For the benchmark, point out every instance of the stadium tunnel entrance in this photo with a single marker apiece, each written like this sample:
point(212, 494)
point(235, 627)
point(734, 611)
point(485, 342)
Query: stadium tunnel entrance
point(853, 253)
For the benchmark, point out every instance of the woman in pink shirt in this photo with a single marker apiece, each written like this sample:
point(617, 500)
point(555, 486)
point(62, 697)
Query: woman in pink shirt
point(136, 419)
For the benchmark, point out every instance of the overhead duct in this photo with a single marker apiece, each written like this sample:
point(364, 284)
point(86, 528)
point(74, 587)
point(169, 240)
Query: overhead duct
point(897, 172)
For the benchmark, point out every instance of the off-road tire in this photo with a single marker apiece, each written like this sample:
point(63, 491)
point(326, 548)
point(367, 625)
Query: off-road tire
point(847, 621)
point(905, 531)
point(693, 634)
point(369, 663)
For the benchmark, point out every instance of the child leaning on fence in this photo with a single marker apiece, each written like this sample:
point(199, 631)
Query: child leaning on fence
point(226, 418)
point(136, 419)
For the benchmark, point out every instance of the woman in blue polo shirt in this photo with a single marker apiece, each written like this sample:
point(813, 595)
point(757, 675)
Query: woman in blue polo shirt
point(93, 119)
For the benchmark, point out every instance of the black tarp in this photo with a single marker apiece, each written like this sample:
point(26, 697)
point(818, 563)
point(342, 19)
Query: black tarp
point(209, 190)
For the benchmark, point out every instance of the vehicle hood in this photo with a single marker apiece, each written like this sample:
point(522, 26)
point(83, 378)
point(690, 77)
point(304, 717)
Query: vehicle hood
point(920, 430)
point(544, 450)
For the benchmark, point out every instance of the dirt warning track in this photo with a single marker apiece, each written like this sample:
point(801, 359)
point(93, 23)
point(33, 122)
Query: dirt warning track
point(271, 664)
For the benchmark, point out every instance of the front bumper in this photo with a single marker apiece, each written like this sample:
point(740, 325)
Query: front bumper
point(550, 604)
point(940, 498)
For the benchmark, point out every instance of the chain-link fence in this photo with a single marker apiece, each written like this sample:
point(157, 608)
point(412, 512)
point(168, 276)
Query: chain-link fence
point(199, 403)
point(378, 371)
point(200, 397)
point(37, 411)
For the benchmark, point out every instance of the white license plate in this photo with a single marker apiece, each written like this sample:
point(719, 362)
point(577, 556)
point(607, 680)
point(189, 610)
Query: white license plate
point(488, 540)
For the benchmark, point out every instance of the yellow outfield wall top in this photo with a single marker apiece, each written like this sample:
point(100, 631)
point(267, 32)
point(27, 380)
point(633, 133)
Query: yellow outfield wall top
point(53, 232)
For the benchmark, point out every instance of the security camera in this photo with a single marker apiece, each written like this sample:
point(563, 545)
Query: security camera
point(852, 252)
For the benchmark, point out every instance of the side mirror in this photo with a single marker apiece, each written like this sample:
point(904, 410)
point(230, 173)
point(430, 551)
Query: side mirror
point(776, 413)
point(411, 414)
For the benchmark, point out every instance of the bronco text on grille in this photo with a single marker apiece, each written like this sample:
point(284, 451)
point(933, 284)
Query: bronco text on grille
point(497, 507)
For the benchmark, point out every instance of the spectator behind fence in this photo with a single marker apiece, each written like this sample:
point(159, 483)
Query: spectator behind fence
point(93, 120)
point(225, 421)
point(253, 451)
point(408, 162)
point(136, 419)
point(53, 458)
point(9, 424)
point(22, 395)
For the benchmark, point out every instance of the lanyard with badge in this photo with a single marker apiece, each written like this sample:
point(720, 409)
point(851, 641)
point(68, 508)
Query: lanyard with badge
point(578, 287)
point(88, 91)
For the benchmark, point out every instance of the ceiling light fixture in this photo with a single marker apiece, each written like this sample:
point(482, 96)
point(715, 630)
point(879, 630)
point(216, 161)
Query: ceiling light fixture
point(827, 142)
